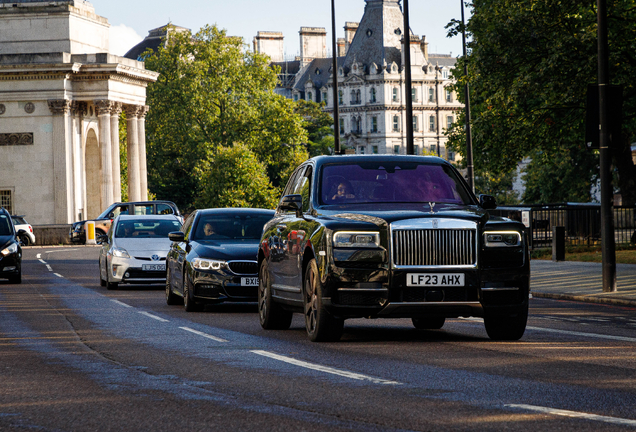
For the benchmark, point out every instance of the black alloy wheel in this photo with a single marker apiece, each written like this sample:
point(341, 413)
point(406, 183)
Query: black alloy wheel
point(271, 315)
point(171, 297)
point(506, 328)
point(430, 323)
point(321, 325)
point(188, 301)
point(98, 233)
point(25, 240)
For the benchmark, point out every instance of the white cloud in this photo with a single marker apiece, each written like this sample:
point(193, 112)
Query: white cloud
point(122, 39)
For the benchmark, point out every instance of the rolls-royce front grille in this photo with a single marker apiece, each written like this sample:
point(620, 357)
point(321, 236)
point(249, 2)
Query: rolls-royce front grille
point(434, 247)
point(243, 267)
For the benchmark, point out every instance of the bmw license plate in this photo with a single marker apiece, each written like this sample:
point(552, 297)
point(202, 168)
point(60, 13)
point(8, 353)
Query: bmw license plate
point(249, 281)
point(153, 267)
point(435, 280)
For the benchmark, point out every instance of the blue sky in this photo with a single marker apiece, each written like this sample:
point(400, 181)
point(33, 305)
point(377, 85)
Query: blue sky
point(132, 19)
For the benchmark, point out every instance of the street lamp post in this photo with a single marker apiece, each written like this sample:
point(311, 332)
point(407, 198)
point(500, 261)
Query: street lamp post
point(334, 78)
point(410, 148)
point(469, 137)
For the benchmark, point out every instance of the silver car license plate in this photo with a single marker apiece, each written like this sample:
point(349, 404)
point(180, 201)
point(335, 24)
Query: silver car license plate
point(249, 281)
point(153, 267)
point(435, 279)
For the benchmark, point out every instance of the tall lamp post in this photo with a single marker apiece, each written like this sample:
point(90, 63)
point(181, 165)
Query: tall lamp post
point(334, 77)
point(469, 137)
point(410, 148)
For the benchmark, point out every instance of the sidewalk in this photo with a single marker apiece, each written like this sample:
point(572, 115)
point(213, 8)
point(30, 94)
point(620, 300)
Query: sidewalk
point(580, 281)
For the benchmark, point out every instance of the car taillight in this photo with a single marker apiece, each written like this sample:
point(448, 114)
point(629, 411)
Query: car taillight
point(30, 228)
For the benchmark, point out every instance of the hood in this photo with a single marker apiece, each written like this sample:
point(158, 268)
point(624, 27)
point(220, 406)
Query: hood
point(379, 213)
point(135, 246)
point(227, 251)
point(6, 240)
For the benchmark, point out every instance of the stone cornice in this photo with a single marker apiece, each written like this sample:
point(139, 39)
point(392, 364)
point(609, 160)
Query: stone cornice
point(392, 108)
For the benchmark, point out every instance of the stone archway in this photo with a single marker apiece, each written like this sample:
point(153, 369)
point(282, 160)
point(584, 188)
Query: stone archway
point(93, 166)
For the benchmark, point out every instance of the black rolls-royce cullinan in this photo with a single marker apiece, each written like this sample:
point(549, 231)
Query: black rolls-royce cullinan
point(213, 257)
point(390, 236)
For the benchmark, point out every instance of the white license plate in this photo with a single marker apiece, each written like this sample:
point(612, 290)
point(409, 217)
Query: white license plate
point(253, 281)
point(153, 267)
point(435, 279)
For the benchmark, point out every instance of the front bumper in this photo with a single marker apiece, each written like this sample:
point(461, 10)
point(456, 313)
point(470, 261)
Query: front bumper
point(221, 285)
point(131, 270)
point(10, 265)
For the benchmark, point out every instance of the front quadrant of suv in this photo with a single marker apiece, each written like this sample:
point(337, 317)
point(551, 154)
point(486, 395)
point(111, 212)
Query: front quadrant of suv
point(394, 237)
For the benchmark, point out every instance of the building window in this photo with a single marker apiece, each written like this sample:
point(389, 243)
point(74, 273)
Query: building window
point(445, 73)
point(396, 149)
point(449, 122)
point(416, 150)
point(433, 149)
point(373, 95)
point(413, 94)
point(296, 97)
point(431, 94)
point(431, 123)
point(6, 200)
point(374, 124)
point(342, 127)
point(415, 123)
point(361, 149)
point(340, 97)
point(310, 96)
point(451, 156)
point(395, 94)
point(375, 149)
point(324, 96)
point(449, 96)
point(396, 123)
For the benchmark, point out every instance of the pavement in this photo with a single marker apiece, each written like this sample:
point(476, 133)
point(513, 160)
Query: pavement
point(581, 281)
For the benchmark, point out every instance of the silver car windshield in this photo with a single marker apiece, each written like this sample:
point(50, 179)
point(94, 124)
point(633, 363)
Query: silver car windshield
point(146, 228)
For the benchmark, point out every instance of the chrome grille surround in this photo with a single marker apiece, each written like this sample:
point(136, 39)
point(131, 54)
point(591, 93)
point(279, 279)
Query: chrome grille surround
point(243, 267)
point(433, 243)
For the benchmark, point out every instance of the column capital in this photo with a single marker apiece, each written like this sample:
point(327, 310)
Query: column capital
point(116, 109)
point(79, 108)
point(133, 111)
point(143, 110)
point(59, 106)
point(103, 106)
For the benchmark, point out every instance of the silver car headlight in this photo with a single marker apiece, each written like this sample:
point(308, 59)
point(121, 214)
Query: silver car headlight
point(502, 238)
point(355, 239)
point(208, 264)
point(120, 253)
point(13, 248)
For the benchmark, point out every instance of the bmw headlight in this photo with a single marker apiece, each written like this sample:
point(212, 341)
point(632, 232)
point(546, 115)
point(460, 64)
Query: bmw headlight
point(120, 253)
point(13, 248)
point(502, 239)
point(354, 239)
point(208, 264)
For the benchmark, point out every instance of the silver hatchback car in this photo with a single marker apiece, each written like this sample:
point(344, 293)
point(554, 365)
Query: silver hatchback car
point(134, 250)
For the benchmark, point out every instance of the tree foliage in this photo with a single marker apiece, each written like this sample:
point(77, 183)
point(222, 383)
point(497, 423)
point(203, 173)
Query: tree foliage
point(319, 126)
point(529, 64)
point(211, 94)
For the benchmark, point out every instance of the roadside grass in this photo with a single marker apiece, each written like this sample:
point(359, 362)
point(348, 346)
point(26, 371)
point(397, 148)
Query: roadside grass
point(625, 254)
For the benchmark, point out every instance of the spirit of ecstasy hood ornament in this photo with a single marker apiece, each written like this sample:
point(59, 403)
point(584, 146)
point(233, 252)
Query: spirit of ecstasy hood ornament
point(432, 204)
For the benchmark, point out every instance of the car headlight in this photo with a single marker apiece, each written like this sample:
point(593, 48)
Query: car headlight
point(120, 253)
point(502, 239)
point(356, 239)
point(13, 248)
point(207, 264)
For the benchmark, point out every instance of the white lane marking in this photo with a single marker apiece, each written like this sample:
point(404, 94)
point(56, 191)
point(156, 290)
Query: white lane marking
point(49, 267)
point(61, 250)
point(205, 335)
point(42, 261)
point(149, 315)
point(121, 303)
point(325, 369)
point(605, 419)
point(38, 256)
point(590, 335)
point(58, 275)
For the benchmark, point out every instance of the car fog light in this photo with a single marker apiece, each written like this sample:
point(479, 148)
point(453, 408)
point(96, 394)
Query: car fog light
point(12, 268)
point(127, 274)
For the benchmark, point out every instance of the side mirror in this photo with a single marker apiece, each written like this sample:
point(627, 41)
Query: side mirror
point(176, 236)
point(291, 203)
point(487, 202)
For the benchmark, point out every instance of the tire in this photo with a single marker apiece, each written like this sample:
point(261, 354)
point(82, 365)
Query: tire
point(171, 297)
point(111, 285)
point(26, 241)
point(188, 302)
point(321, 325)
point(506, 328)
point(98, 232)
point(431, 323)
point(16, 279)
point(272, 316)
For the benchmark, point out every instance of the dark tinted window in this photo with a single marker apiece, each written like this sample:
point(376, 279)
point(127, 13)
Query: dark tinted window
point(5, 225)
point(164, 209)
point(17, 220)
point(187, 225)
point(399, 182)
point(228, 226)
point(146, 228)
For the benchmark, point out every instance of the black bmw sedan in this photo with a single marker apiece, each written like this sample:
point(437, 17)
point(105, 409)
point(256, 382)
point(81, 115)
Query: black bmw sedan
point(213, 257)
point(10, 250)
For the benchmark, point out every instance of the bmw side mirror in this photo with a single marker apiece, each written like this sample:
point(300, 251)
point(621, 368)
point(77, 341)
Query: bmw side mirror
point(176, 236)
point(291, 203)
point(487, 202)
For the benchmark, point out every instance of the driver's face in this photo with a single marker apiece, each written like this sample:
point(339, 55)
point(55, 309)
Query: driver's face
point(207, 230)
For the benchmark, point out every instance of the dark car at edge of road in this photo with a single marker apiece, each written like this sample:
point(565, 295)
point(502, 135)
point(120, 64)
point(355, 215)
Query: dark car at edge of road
point(104, 220)
point(389, 236)
point(10, 249)
point(213, 258)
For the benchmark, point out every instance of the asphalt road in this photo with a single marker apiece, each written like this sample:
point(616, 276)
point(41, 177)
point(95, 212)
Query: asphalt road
point(77, 357)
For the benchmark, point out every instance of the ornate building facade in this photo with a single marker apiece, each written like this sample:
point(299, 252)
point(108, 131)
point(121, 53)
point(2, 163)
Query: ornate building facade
point(371, 82)
point(61, 94)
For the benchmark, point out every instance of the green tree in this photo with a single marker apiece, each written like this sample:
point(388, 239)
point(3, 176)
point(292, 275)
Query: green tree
point(529, 66)
point(213, 93)
point(319, 126)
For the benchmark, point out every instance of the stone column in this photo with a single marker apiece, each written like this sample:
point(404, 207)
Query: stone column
point(114, 139)
point(78, 110)
point(62, 161)
point(143, 167)
point(103, 112)
point(134, 184)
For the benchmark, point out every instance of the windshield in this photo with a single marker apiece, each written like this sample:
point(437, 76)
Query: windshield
point(390, 182)
point(130, 228)
point(5, 225)
point(228, 226)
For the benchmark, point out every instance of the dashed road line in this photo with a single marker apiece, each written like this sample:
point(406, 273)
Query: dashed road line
point(325, 369)
point(205, 335)
point(575, 414)
point(121, 303)
point(583, 334)
point(49, 268)
point(149, 315)
point(58, 275)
